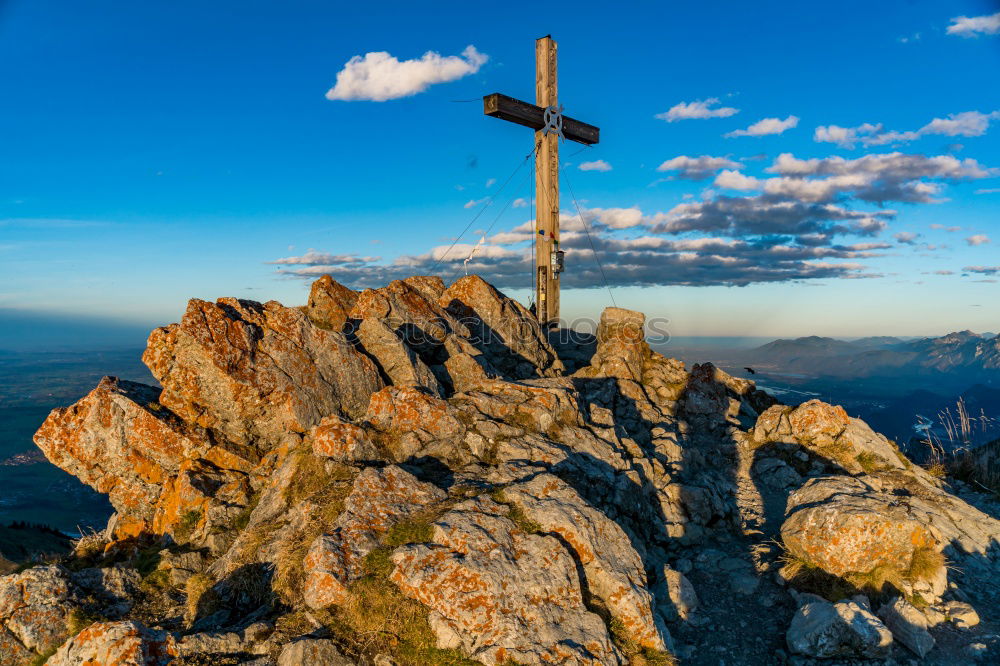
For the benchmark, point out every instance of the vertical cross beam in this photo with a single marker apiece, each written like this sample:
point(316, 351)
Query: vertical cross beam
point(546, 187)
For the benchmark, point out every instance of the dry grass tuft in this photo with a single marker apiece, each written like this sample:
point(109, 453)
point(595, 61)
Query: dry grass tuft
point(89, 545)
point(926, 564)
point(200, 599)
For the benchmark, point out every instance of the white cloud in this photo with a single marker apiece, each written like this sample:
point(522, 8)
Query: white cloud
point(596, 165)
point(767, 126)
point(941, 227)
point(698, 168)
point(491, 182)
point(906, 237)
point(966, 26)
point(989, 190)
point(472, 203)
point(379, 76)
point(696, 110)
point(978, 239)
point(967, 123)
point(734, 180)
point(520, 202)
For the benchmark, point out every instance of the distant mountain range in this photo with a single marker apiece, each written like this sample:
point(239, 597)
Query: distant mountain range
point(964, 356)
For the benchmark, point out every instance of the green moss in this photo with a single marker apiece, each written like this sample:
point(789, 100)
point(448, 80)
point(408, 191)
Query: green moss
point(243, 517)
point(146, 560)
point(43, 657)
point(410, 531)
point(79, 619)
point(186, 525)
point(869, 462)
point(155, 582)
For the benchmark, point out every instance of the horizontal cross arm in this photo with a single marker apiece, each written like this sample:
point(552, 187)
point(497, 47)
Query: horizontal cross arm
point(529, 115)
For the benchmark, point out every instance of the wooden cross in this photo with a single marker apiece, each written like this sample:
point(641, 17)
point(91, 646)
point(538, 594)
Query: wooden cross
point(545, 117)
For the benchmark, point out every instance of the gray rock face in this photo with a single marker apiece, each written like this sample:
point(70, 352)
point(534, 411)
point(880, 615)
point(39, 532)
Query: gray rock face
point(313, 651)
point(380, 499)
point(676, 596)
point(115, 586)
point(466, 575)
point(399, 363)
point(908, 626)
point(126, 643)
point(612, 568)
point(254, 372)
point(823, 630)
point(34, 607)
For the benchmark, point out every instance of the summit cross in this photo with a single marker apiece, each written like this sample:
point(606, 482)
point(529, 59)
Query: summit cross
point(545, 117)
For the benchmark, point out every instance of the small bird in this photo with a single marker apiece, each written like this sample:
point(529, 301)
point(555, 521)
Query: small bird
point(750, 370)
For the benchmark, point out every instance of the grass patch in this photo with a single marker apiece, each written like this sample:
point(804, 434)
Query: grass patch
point(43, 657)
point(523, 523)
point(243, 517)
point(186, 525)
point(378, 618)
point(79, 619)
point(635, 653)
point(200, 599)
point(869, 462)
point(146, 560)
point(410, 531)
point(937, 470)
point(156, 582)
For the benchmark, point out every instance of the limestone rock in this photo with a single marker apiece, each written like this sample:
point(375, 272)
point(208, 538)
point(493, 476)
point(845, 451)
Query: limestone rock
point(34, 607)
point(380, 498)
point(612, 568)
point(312, 651)
point(823, 630)
point(503, 329)
point(961, 614)
point(330, 303)
point(119, 440)
point(622, 349)
point(400, 364)
point(828, 431)
point(501, 594)
point(115, 586)
point(255, 372)
point(343, 441)
point(676, 595)
point(844, 526)
point(908, 625)
point(121, 643)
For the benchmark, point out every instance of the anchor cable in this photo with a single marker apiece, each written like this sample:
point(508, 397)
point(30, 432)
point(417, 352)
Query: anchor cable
point(586, 227)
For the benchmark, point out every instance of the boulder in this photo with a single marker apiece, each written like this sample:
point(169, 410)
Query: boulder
point(499, 593)
point(121, 643)
point(622, 349)
point(343, 441)
point(115, 587)
point(330, 303)
point(34, 607)
point(121, 441)
point(380, 498)
point(676, 596)
point(254, 372)
point(843, 525)
point(908, 625)
point(823, 630)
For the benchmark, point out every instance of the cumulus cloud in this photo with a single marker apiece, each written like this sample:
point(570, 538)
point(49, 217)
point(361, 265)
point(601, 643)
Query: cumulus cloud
point(379, 76)
point(697, 168)
point(735, 180)
point(520, 202)
point(472, 203)
point(977, 239)
point(875, 178)
point(906, 237)
point(596, 165)
point(697, 109)
point(967, 123)
point(973, 26)
point(766, 126)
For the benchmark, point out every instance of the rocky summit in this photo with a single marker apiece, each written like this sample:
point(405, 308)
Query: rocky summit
point(419, 474)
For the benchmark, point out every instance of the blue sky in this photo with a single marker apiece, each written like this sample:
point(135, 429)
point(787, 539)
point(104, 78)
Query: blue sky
point(156, 151)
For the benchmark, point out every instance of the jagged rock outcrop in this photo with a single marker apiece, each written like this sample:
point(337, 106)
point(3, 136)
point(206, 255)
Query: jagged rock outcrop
point(254, 372)
point(500, 593)
point(412, 475)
